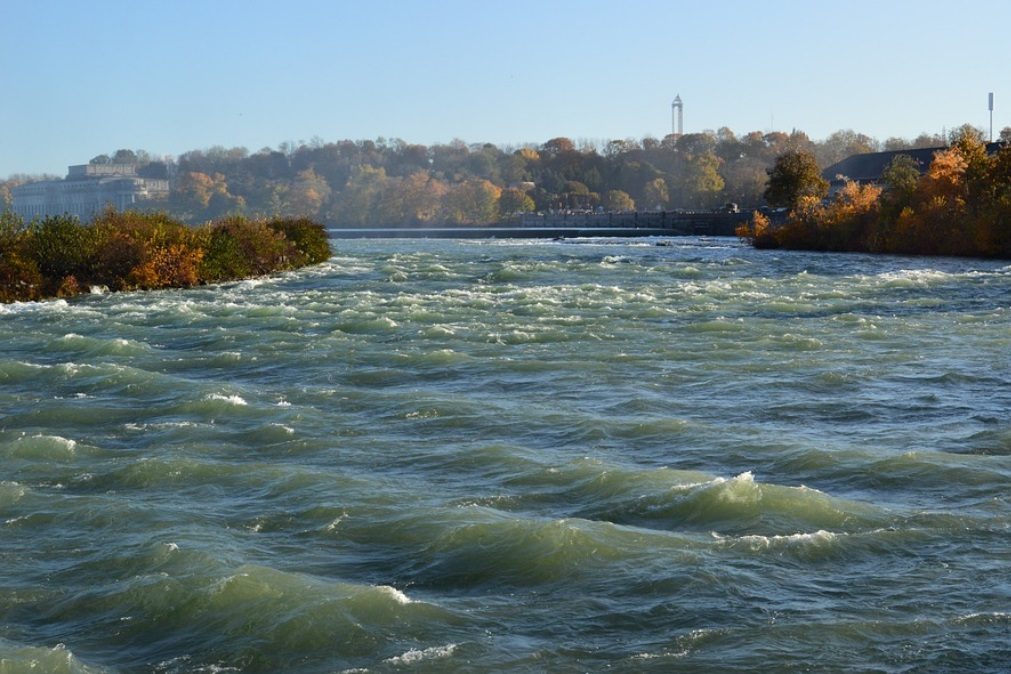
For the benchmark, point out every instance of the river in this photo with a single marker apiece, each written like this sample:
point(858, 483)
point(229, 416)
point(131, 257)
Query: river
point(512, 456)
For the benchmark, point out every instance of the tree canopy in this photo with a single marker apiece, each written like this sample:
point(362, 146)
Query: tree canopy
point(794, 175)
point(391, 182)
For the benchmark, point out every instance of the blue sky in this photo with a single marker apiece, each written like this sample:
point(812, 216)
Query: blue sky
point(85, 78)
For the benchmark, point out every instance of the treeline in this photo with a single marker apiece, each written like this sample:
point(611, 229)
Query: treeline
point(395, 183)
point(961, 205)
point(60, 257)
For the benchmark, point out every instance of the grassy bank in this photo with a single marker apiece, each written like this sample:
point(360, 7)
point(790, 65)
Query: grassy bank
point(60, 257)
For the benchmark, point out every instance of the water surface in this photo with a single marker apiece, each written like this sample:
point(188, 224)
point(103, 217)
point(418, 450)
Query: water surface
point(514, 456)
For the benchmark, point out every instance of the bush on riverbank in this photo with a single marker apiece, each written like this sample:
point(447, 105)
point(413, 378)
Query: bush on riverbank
point(960, 206)
point(59, 257)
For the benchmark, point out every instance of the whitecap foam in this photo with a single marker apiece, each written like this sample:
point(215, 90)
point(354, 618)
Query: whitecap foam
point(739, 489)
point(415, 655)
point(757, 541)
point(665, 654)
point(231, 399)
point(395, 594)
point(23, 307)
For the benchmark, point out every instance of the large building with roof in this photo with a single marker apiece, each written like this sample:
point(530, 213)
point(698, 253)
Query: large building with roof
point(88, 190)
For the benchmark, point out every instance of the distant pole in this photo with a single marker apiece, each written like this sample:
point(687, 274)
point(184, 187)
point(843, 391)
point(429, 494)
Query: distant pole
point(991, 116)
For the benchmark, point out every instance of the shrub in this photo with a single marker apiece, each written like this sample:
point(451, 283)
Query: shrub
point(145, 250)
point(20, 279)
point(239, 248)
point(62, 247)
point(61, 257)
point(308, 238)
point(173, 266)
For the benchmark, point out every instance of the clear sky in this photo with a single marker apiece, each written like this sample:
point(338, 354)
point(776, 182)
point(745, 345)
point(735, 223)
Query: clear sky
point(78, 79)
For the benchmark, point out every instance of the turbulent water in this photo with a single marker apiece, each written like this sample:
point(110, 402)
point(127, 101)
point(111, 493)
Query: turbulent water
point(504, 456)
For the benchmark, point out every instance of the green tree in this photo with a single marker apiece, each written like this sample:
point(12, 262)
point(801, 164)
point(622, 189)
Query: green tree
point(793, 176)
point(900, 179)
point(124, 157)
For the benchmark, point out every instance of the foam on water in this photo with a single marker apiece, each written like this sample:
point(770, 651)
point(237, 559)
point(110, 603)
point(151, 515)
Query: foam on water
point(233, 399)
point(414, 655)
point(820, 538)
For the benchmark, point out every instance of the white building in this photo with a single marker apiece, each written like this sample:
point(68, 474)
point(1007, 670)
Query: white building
point(87, 191)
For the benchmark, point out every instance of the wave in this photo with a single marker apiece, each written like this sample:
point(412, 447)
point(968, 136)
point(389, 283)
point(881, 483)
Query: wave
point(474, 546)
point(18, 658)
point(41, 447)
point(91, 346)
point(974, 471)
point(48, 306)
point(253, 617)
point(676, 500)
point(11, 492)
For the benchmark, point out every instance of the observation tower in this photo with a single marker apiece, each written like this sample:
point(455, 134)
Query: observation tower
point(677, 118)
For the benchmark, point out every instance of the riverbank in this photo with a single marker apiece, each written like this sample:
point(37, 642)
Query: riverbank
point(959, 206)
point(60, 257)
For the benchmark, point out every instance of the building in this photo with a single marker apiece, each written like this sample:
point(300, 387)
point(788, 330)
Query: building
point(87, 190)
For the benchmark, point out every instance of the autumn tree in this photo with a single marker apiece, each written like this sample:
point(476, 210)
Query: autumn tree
point(515, 201)
point(422, 197)
point(618, 201)
point(558, 146)
point(472, 202)
point(193, 193)
point(655, 194)
point(307, 194)
point(354, 207)
point(702, 181)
